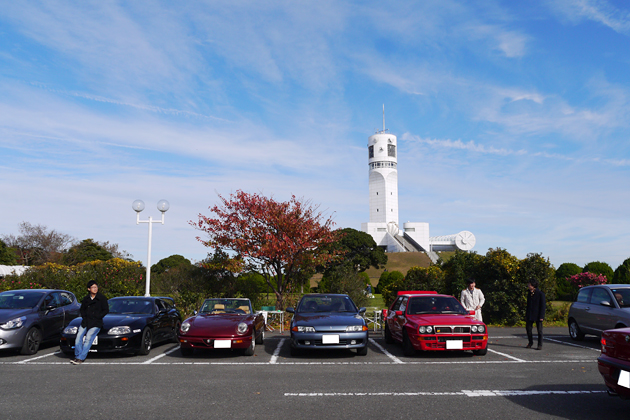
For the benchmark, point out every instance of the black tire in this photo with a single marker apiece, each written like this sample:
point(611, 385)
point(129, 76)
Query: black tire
point(186, 352)
point(388, 335)
point(146, 342)
point(249, 351)
point(32, 341)
point(480, 352)
point(408, 349)
point(175, 338)
point(574, 331)
point(261, 338)
point(362, 351)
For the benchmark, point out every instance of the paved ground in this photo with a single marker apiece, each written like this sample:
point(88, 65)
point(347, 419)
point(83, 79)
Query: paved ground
point(560, 381)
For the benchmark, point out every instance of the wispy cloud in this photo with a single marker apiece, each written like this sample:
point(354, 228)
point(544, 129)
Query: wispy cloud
point(601, 11)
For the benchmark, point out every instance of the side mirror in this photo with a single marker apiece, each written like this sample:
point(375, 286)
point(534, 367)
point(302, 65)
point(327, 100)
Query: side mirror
point(605, 303)
point(290, 310)
point(399, 313)
point(194, 312)
point(472, 313)
point(362, 310)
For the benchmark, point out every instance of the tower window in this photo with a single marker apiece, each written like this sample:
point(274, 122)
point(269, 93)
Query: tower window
point(371, 151)
point(391, 150)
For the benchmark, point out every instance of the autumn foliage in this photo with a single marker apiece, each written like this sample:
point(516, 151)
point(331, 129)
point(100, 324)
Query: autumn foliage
point(284, 241)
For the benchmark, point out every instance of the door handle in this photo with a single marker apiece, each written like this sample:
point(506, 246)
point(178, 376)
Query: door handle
point(588, 308)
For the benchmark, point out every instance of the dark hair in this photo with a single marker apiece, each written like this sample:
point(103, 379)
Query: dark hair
point(91, 283)
point(533, 283)
point(470, 280)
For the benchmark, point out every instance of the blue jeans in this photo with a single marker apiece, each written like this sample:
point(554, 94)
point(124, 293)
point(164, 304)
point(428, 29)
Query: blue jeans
point(81, 349)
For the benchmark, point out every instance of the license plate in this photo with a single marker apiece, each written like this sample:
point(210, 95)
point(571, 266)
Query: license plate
point(455, 344)
point(222, 344)
point(330, 339)
point(94, 343)
point(624, 379)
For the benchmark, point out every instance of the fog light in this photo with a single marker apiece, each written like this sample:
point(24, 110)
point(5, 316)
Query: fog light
point(124, 339)
point(353, 341)
point(308, 343)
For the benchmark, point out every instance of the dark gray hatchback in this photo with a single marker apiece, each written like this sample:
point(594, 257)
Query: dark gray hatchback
point(599, 308)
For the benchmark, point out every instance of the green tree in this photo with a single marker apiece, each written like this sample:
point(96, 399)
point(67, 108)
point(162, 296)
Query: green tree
point(536, 267)
point(84, 251)
point(387, 278)
point(505, 294)
point(36, 244)
point(344, 279)
point(622, 273)
point(7, 255)
point(565, 290)
point(358, 250)
point(417, 278)
point(168, 263)
point(597, 267)
point(461, 266)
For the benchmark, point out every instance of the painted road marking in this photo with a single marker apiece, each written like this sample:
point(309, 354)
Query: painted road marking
point(36, 358)
point(388, 354)
point(166, 353)
point(467, 393)
point(574, 345)
point(276, 352)
point(506, 355)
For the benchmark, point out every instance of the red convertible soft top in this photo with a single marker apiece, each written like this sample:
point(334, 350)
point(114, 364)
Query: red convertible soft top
point(417, 292)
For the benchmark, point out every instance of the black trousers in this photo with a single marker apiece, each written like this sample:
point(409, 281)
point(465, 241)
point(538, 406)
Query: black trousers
point(539, 329)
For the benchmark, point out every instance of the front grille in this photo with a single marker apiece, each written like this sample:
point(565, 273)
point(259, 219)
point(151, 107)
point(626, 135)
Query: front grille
point(319, 343)
point(452, 330)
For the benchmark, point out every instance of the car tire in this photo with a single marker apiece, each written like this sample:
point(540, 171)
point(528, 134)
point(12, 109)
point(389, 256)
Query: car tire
point(480, 352)
point(32, 341)
point(249, 351)
point(408, 349)
point(574, 331)
point(261, 338)
point(186, 352)
point(146, 342)
point(362, 351)
point(388, 335)
point(175, 338)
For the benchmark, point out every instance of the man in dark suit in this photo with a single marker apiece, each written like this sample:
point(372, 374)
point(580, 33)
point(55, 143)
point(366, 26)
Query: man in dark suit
point(536, 306)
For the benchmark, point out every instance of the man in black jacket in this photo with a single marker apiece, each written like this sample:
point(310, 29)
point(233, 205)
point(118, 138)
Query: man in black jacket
point(93, 308)
point(536, 306)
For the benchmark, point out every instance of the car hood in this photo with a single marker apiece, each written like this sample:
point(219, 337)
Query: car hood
point(115, 320)
point(9, 314)
point(443, 319)
point(218, 323)
point(322, 319)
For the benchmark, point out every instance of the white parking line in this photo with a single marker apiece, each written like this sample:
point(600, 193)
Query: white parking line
point(148, 362)
point(276, 352)
point(388, 354)
point(572, 344)
point(506, 355)
point(467, 393)
point(35, 358)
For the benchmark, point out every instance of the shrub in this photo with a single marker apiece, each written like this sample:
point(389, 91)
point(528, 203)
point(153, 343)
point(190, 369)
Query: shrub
point(587, 279)
point(417, 278)
point(622, 273)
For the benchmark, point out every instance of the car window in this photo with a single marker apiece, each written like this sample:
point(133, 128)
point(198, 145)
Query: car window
point(130, 306)
point(600, 295)
point(51, 300)
point(160, 305)
point(435, 305)
point(19, 300)
point(226, 306)
point(168, 304)
point(66, 298)
point(397, 303)
point(323, 303)
point(622, 296)
point(584, 295)
point(403, 304)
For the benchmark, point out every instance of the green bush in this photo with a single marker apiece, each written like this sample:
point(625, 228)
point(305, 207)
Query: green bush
point(417, 278)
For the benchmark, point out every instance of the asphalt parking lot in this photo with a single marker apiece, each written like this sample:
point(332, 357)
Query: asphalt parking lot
point(559, 381)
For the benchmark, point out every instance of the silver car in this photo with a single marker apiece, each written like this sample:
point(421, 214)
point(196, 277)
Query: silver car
point(31, 316)
point(599, 308)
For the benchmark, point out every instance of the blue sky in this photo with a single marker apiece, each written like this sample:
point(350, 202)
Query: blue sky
point(512, 117)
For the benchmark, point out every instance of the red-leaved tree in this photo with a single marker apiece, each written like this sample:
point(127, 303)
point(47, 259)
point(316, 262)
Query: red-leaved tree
point(280, 240)
point(587, 279)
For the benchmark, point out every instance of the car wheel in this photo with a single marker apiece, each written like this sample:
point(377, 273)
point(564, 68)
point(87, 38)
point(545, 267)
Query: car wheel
point(574, 331)
point(32, 341)
point(261, 337)
point(408, 349)
point(362, 351)
point(388, 335)
point(186, 352)
point(175, 331)
point(145, 343)
point(249, 351)
point(480, 352)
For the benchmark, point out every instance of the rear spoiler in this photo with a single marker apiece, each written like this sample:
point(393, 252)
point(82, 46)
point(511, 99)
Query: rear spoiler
point(417, 292)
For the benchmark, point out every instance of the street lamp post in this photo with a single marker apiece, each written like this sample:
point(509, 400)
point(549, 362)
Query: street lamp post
point(138, 206)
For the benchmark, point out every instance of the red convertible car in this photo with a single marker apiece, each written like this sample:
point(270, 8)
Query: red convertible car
point(614, 361)
point(223, 324)
point(428, 321)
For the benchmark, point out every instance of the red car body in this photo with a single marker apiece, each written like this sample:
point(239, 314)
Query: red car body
point(223, 324)
point(429, 321)
point(614, 361)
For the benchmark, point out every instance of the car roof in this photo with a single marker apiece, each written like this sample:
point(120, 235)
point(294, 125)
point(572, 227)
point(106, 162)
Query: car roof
point(610, 286)
point(36, 290)
point(419, 293)
point(324, 294)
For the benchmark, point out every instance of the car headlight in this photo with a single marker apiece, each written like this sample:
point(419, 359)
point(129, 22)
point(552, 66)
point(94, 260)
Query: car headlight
point(473, 328)
point(70, 330)
point(481, 328)
point(119, 330)
point(242, 328)
point(301, 328)
point(185, 327)
point(14, 323)
point(352, 328)
point(429, 330)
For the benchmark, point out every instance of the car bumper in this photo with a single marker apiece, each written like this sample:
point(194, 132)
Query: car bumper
point(450, 342)
point(610, 370)
point(11, 339)
point(196, 342)
point(106, 343)
point(340, 340)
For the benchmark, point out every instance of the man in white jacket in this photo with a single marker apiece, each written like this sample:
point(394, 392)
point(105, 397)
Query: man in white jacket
point(472, 299)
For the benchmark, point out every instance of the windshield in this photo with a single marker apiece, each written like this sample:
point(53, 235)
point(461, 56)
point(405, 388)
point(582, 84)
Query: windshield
point(19, 300)
point(317, 303)
point(226, 306)
point(130, 306)
point(435, 305)
point(622, 296)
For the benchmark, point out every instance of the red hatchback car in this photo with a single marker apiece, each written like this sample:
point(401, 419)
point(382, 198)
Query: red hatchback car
point(429, 321)
point(614, 362)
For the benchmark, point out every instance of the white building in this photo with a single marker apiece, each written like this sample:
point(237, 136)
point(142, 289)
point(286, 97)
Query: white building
point(383, 225)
